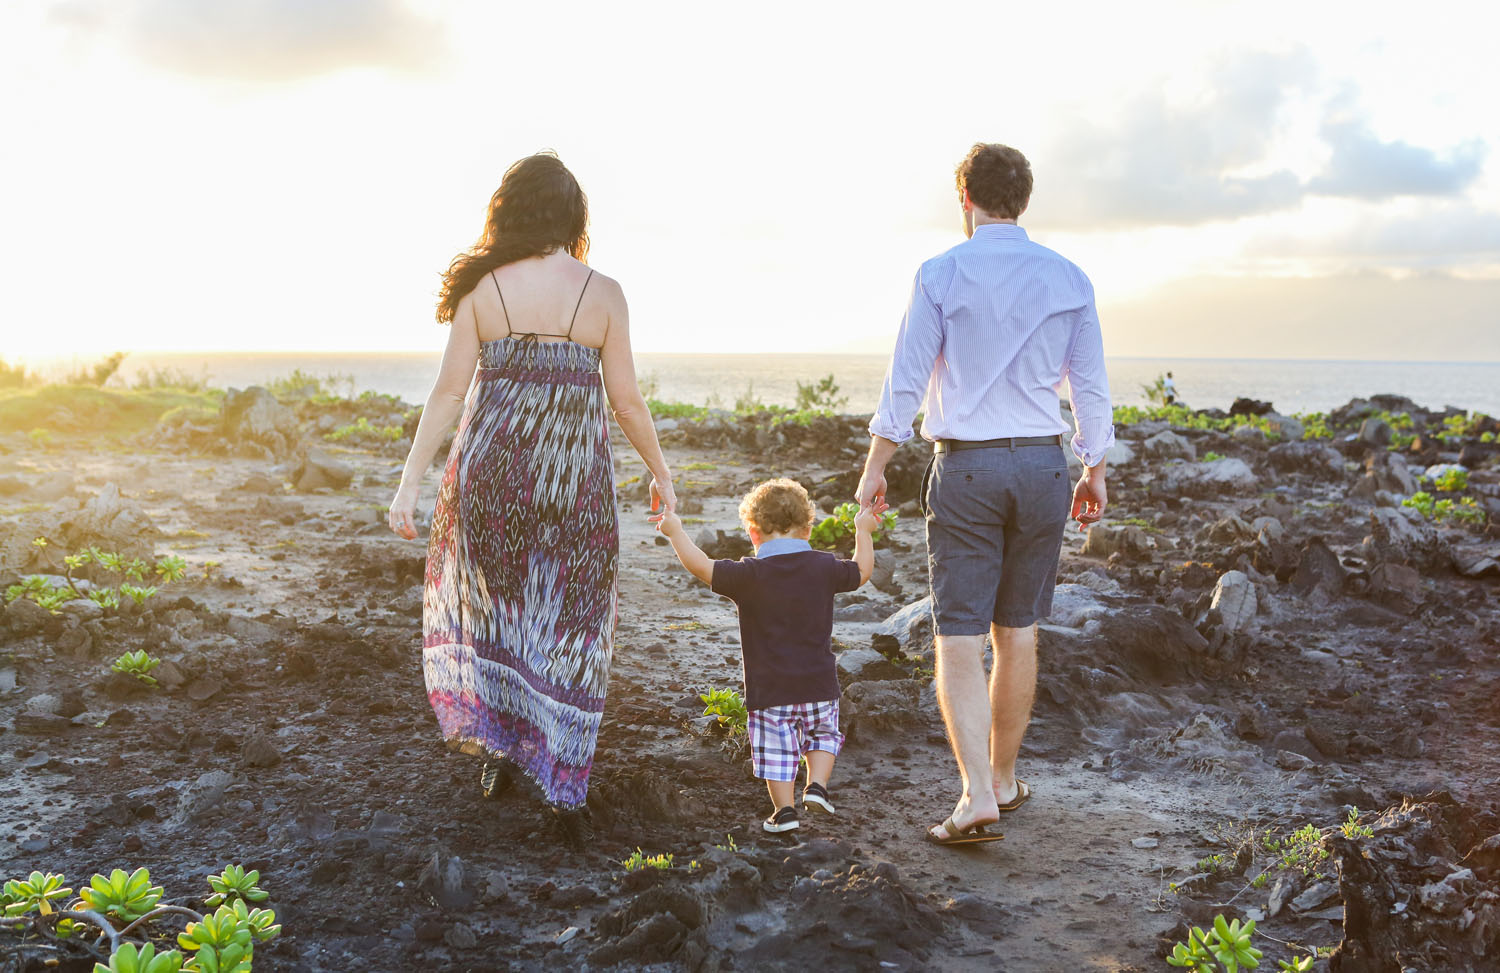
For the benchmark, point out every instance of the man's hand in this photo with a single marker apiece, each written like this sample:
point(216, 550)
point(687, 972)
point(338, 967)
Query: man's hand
point(871, 490)
point(868, 518)
point(1090, 497)
point(872, 480)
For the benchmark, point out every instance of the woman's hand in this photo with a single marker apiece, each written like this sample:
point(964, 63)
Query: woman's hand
point(403, 514)
point(663, 499)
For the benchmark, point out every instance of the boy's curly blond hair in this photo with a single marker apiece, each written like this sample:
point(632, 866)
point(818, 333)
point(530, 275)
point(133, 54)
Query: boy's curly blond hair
point(779, 506)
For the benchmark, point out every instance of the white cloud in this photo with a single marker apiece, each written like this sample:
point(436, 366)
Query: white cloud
point(1363, 166)
point(263, 40)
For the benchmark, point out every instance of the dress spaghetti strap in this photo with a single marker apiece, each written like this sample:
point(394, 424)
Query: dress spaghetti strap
point(496, 281)
point(578, 305)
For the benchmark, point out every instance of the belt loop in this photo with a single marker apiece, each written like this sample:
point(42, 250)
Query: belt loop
point(1013, 444)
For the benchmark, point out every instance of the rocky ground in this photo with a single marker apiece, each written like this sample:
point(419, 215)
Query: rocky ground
point(1257, 641)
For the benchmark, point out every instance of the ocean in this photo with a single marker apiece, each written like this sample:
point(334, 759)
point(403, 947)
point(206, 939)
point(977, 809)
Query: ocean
point(1292, 385)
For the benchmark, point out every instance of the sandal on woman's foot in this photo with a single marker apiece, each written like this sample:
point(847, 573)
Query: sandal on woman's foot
point(495, 779)
point(1023, 794)
point(576, 825)
point(972, 835)
point(784, 819)
point(816, 795)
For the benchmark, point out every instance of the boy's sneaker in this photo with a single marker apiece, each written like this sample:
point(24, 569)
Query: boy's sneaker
point(783, 820)
point(816, 795)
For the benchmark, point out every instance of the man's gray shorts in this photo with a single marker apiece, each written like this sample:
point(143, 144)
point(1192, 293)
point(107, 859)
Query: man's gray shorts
point(995, 519)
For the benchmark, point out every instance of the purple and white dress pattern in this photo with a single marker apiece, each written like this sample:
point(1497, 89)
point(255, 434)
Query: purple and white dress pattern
point(520, 604)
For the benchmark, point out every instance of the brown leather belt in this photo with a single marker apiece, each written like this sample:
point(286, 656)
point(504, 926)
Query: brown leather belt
point(1010, 442)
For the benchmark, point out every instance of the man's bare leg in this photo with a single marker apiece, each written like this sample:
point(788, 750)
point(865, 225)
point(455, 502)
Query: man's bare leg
point(1012, 691)
point(965, 705)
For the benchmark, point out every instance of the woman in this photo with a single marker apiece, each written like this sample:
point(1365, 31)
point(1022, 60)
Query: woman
point(519, 611)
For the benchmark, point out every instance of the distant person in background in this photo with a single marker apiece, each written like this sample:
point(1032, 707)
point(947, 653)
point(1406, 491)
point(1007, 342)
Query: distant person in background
point(519, 613)
point(992, 328)
point(1169, 389)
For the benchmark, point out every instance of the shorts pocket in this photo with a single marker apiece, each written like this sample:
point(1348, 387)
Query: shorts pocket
point(966, 497)
point(922, 490)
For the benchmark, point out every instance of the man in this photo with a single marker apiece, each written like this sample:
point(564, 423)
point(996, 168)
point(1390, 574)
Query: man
point(1169, 389)
point(992, 329)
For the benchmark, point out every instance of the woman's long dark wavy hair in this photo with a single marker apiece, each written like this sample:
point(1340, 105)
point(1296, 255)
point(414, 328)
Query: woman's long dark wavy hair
point(538, 209)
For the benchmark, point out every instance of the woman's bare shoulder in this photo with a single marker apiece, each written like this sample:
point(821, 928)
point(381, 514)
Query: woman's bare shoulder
point(608, 291)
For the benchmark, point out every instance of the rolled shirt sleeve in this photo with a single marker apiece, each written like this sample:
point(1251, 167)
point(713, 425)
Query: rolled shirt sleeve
point(918, 344)
point(1088, 389)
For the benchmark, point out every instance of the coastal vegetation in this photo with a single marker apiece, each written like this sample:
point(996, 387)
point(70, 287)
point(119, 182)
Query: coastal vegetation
point(126, 904)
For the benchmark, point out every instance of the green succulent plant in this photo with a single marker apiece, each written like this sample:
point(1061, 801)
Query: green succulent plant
point(729, 707)
point(138, 664)
point(129, 959)
point(839, 528)
point(235, 883)
point(639, 859)
point(127, 896)
point(228, 937)
point(234, 958)
point(217, 931)
point(35, 892)
point(41, 591)
point(138, 594)
point(171, 568)
point(261, 922)
point(1226, 946)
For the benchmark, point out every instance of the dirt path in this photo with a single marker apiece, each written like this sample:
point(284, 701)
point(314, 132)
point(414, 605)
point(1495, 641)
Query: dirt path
point(297, 639)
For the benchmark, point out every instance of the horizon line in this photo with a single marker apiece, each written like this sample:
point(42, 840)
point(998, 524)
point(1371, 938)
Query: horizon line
point(335, 352)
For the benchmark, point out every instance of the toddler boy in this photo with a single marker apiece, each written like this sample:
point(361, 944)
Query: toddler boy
point(785, 599)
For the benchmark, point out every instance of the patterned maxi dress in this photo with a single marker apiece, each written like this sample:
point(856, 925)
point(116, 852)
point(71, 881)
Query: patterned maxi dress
point(519, 610)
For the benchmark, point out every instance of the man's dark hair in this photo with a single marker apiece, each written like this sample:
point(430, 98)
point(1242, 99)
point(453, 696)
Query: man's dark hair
point(998, 179)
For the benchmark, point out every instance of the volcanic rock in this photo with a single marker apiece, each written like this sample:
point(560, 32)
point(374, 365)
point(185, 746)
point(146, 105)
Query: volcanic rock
point(856, 665)
point(25, 617)
point(254, 416)
point(1214, 478)
point(318, 470)
point(1167, 445)
point(1234, 602)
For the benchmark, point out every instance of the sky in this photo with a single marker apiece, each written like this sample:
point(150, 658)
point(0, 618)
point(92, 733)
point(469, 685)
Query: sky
point(1265, 179)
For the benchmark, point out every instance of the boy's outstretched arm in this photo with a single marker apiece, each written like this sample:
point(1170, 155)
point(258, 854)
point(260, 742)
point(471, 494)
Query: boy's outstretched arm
point(700, 565)
point(865, 523)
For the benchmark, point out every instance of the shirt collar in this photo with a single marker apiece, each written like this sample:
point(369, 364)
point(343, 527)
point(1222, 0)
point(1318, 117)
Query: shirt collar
point(999, 231)
point(782, 545)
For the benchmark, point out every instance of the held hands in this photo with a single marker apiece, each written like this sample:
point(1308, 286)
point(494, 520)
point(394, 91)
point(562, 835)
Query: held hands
point(871, 489)
point(402, 516)
point(868, 518)
point(663, 499)
point(1089, 497)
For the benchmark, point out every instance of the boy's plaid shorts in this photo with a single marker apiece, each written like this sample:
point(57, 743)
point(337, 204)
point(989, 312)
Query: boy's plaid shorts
point(780, 735)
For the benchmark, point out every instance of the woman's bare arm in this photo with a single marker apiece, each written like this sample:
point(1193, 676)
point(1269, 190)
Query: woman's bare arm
point(444, 404)
point(626, 401)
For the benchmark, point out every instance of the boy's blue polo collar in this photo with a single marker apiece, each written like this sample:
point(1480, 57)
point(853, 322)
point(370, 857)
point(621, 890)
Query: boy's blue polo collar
point(782, 545)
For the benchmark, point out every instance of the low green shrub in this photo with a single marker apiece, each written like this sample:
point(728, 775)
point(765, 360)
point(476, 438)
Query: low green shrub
point(1452, 480)
point(729, 707)
point(121, 895)
point(138, 664)
point(820, 396)
point(639, 860)
point(838, 530)
point(362, 431)
point(234, 883)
